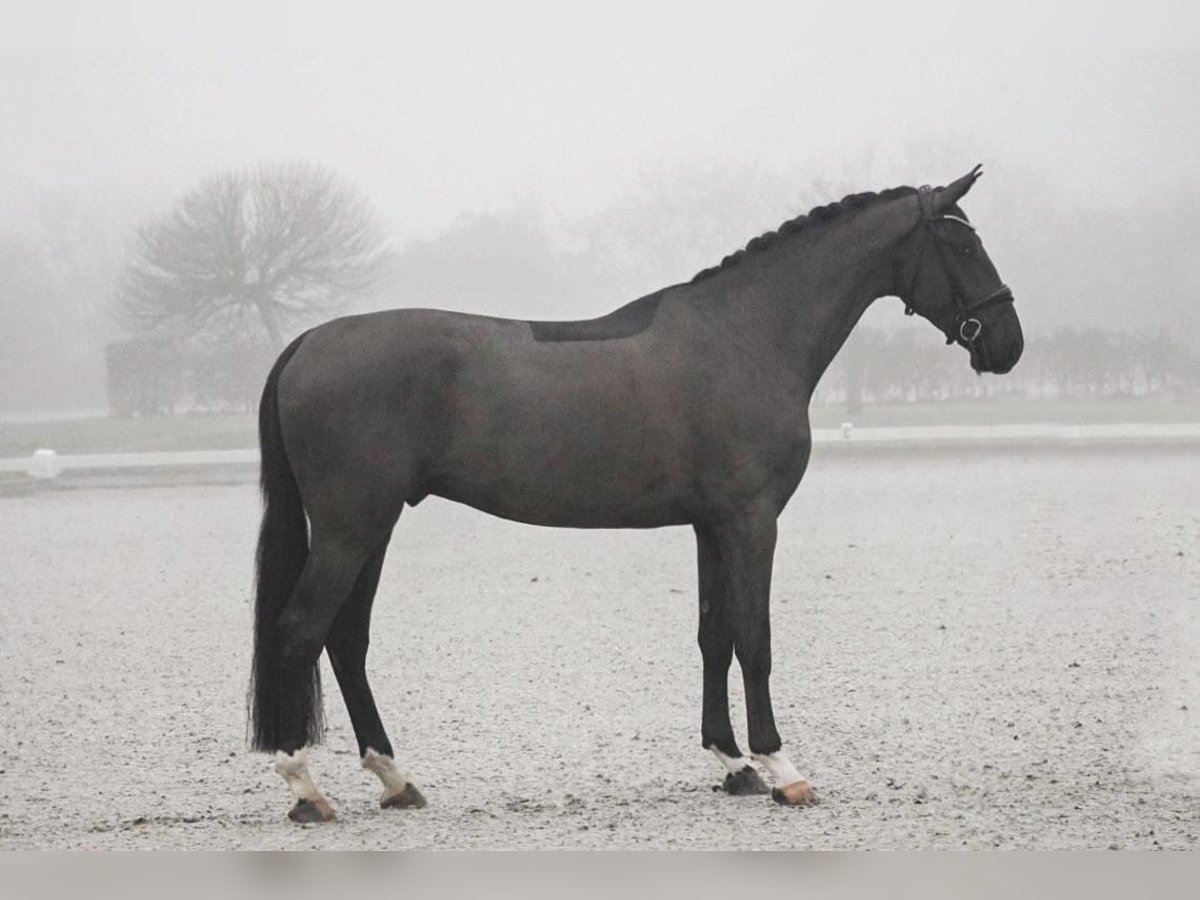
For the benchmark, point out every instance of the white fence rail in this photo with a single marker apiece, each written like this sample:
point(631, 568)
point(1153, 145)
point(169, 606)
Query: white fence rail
point(1034, 433)
point(67, 462)
point(46, 463)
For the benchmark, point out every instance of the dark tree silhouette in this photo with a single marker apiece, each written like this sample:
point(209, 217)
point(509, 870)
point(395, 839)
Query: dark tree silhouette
point(257, 251)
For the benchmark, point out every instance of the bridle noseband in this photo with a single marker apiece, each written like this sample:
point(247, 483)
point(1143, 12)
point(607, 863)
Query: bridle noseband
point(965, 327)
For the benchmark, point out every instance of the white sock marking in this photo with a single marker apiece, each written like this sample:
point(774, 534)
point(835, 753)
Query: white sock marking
point(394, 781)
point(294, 769)
point(734, 764)
point(782, 771)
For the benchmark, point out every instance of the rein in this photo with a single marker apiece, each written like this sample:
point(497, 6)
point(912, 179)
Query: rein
point(965, 327)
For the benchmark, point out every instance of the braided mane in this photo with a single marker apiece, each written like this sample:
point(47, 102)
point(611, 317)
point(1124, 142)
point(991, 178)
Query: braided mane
point(816, 216)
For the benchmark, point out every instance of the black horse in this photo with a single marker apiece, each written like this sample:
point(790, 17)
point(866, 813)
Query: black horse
point(686, 407)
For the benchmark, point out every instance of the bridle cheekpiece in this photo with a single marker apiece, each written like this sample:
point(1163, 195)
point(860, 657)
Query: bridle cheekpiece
point(965, 327)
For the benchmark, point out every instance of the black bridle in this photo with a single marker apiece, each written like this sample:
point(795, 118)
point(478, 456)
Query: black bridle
point(966, 327)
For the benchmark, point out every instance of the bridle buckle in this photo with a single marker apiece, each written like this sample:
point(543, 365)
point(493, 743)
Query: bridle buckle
point(967, 323)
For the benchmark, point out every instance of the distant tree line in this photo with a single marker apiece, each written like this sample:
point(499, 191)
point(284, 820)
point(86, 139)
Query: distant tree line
point(60, 253)
point(879, 367)
point(216, 285)
point(159, 376)
point(150, 376)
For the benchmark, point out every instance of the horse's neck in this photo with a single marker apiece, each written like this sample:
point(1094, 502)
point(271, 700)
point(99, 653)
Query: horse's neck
point(804, 298)
point(825, 315)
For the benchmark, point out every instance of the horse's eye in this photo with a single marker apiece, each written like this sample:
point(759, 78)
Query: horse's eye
point(967, 250)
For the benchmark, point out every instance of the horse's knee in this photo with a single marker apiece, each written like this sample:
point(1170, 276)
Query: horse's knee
point(752, 646)
point(716, 647)
point(755, 663)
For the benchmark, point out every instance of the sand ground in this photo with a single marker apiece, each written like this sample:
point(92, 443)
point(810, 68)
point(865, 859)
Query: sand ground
point(972, 649)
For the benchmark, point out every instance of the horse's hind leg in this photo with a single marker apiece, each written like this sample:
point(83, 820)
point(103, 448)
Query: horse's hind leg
point(716, 647)
point(347, 645)
point(329, 574)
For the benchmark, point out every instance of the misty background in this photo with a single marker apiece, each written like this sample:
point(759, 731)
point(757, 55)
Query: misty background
point(558, 169)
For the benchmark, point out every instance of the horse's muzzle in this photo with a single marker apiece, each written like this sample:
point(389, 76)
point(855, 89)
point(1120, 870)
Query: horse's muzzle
point(999, 345)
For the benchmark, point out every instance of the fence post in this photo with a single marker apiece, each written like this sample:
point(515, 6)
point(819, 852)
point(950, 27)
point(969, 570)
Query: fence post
point(44, 465)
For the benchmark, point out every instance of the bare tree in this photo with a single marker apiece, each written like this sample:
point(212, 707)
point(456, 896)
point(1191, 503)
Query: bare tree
point(251, 252)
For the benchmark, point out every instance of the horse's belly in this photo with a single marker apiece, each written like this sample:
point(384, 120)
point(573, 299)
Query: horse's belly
point(583, 477)
point(563, 511)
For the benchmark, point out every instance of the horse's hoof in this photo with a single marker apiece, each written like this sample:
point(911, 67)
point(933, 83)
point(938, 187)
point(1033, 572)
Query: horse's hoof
point(312, 811)
point(798, 793)
point(409, 798)
point(745, 782)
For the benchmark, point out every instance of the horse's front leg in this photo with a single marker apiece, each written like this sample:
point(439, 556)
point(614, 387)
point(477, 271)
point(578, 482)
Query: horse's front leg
point(746, 549)
point(716, 646)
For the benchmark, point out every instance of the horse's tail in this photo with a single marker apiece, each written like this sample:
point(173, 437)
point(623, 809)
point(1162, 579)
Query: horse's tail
point(275, 698)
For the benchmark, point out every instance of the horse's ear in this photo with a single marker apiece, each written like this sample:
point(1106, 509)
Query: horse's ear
point(944, 199)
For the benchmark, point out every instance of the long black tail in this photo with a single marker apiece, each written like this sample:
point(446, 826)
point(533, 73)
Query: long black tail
point(276, 699)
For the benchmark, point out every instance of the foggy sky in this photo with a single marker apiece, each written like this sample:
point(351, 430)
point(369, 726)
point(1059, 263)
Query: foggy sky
point(472, 113)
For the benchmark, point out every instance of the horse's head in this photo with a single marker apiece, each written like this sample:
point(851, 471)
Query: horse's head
point(944, 274)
